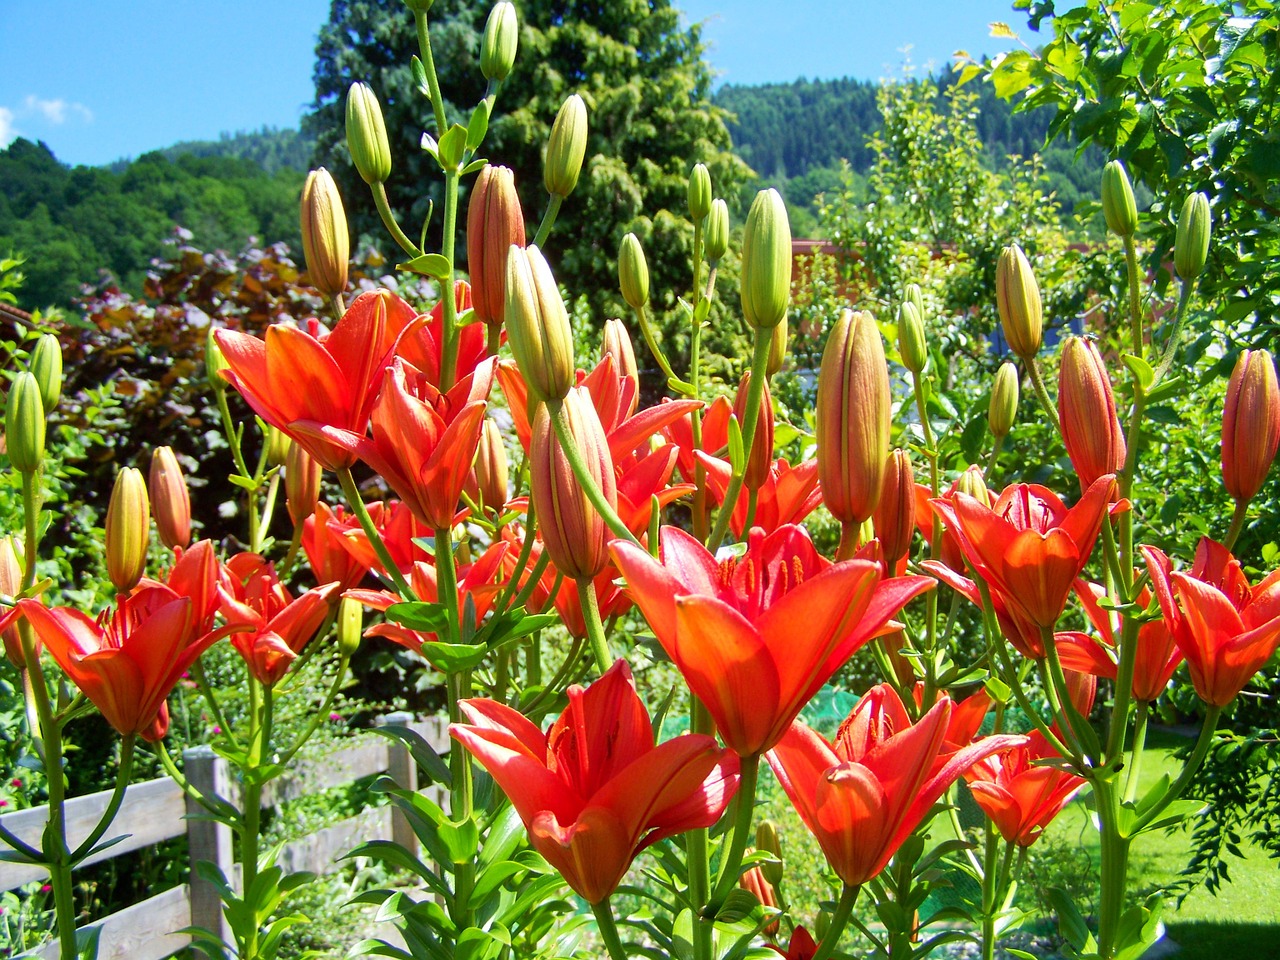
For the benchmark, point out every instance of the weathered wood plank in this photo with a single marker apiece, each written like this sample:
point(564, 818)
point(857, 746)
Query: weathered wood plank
point(140, 932)
point(331, 770)
point(319, 852)
point(151, 812)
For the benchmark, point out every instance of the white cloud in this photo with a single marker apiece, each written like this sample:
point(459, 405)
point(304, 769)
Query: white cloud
point(7, 132)
point(55, 111)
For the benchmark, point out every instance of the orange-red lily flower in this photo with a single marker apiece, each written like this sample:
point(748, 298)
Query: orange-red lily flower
point(862, 796)
point(279, 626)
point(301, 382)
point(1028, 546)
point(398, 528)
point(731, 627)
point(1226, 628)
point(325, 544)
point(801, 947)
point(787, 495)
point(1020, 796)
point(594, 790)
point(423, 346)
point(130, 658)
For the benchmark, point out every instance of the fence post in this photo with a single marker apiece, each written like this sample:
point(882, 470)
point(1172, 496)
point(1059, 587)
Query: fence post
point(402, 769)
point(208, 839)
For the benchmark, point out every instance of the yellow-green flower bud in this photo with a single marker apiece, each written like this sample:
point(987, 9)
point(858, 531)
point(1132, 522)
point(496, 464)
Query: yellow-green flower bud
point(45, 365)
point(913, 294)
point(777, 347)
point(716, 239)
point(767, 840)
point(214, 361)
point(171, 498)
point(566, 148)
point(633, 272)
point(1018, 300)
point(972, 484)
point(326, 243)
point(24, 424)
point(1003, 409)
point(128, 530)
point(1118, 205)
point(766, 260)
point(277, 443)
point(367, 135)
point(501, 34)
point(699, 192)
point(538, 325)
point(911, 345)
point(1191, 245)
point(350, 626)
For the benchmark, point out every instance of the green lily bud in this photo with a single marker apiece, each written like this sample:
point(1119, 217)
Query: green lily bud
point(277, 443)
point(419, 6)
point(699, 192)
point(501, 34)
point(566, 148)
point(633, 272)
point(214, 361)
point(767, 840)
point(716, 241)
point(128, 530)
point(913, 294)
point(24, 424)
point(972, 484)
point(777, 347)
point(367, 135)
point(1191, 245)
point(350, 626)
point(538, 325)
point(326, 243)
point(911, 345)
point(1118, 205)
point(1018, 300)
point(766, 261)
point(45, 365)
point(1003, 409)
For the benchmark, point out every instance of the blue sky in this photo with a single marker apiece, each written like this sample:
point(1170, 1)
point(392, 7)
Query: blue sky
point(108, 79)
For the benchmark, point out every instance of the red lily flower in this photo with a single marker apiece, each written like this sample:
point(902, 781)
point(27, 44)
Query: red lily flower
point(802, 946)
point(862, 796)
point(196, 573)
point(1028, 546)
point(715, 434)
point(731, 627)
point(754, 882)
point(950, 552)
point(1226, 628)
point(280, 626)
point(786, 496)
point(1020, 796)
point(399, 530)
point(130, 658)
point(301, 383)
point(325, 544)
point(594, 790)
point(479, 580)
point(423, 346)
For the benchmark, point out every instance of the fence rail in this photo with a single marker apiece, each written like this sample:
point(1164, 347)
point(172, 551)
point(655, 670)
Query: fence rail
point(158, 810)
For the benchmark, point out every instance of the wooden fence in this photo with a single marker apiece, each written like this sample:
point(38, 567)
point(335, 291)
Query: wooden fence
point(158, 810)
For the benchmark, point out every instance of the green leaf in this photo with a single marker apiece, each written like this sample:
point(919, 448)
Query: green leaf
point(420, 615)
point(681, 387)
point(1072, 926)
point(452, 657)
point(428, 265)
point(473, 166)
point(478, 125)
point(423, 753)
point(1140, 368)
point(452, 146)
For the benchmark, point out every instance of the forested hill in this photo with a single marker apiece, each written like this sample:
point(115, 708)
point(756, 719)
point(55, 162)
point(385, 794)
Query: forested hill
point(270, 148)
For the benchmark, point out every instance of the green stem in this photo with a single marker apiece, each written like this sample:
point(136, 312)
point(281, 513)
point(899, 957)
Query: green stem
point(1124, 690)
point(449, 321)
point(603, 912)
point(850, 534)
point(991, 850)
point(317, 716)
point(447, 581)
point(560, 423)
point(389, 220)
point(839, 920)
point(557, 681)
point(429, 65)
point(1135, 308)
point(1135, 757)
point(755, 393)
point(935, 545)
point(1073, 720)
point(743, 809)
point(595, 629)
point(356, 503)
point(1188, 773)
point(1238, 517)
point(123, 773)
point(1114, 869)
point(1037, 384)
point(234, 436)
point(651, 341)
point(1175, 338)
point(990, 470)
point(548, 221)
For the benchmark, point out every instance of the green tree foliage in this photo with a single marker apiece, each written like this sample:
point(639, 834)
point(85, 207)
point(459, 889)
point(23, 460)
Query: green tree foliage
point(270, 148)
point(1185, 93)
point(647, 92)
point(75, 224)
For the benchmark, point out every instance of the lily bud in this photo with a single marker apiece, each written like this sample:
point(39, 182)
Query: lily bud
point(11, 586)
point(491, 467)
point(760, 456)
point(617, 344)
point(494, 223)
point(911, 344)
point(1003, 408)
point(1250, 424)
point(716, 241)
point(853, 409)
point(367, 135)
point(501, 34)
point(45, 365)
point(914, 295)
point(1087, 413)
point(214, 361)
point(171, 498)
point(128, 530)
point(566, 148)
point(971, 483)
point(1118, 206)
point(766, 261)
point(1018, 300)
point(350, 626)
point(538, 325)
point(633, 273)
point(24, 425)
point(777, 347)
point(753, 881)
point(699, 192)
point(420, 6)
point(768, 841)
point(301, 484)
point(895, 514)
point(326, 244)
point(277, 444)
point(574, 535)
point(1191, 244)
